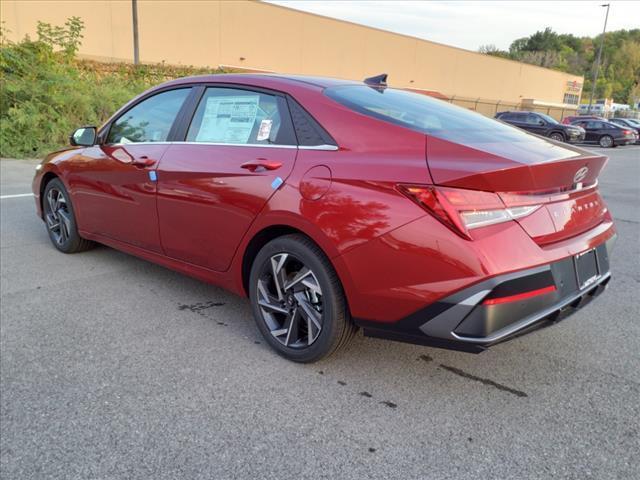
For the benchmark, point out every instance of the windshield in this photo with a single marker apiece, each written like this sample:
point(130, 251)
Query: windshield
point(443, 120)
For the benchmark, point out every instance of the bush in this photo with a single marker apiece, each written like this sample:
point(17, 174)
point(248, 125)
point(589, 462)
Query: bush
point(46, 91)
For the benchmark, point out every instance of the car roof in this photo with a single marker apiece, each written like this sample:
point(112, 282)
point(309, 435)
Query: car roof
point(266, 79)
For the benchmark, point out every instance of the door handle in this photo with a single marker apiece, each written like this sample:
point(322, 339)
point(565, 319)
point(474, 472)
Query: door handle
point(255, 165)
point(143, 161)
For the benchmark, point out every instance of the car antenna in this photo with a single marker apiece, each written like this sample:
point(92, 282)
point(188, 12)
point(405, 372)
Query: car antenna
point(379, 82)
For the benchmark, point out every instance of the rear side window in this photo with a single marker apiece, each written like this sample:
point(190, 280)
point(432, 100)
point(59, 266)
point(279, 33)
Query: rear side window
point(445, 121)
point(150, 120)
point(242, 117)
point(425, 114)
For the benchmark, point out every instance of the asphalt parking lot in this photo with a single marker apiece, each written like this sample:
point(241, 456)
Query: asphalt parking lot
point(112, 367)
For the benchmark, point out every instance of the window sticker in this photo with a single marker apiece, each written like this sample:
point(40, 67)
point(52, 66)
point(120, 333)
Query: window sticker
point(265, 129)
point(228, 119)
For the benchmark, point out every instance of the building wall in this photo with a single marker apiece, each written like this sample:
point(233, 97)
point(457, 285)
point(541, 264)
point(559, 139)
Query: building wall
point(261, 36)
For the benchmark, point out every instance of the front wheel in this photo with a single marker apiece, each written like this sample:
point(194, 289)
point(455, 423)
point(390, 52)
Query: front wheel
point(297, 300)
point(558, 137)
point(60, 219)
point(606, 141)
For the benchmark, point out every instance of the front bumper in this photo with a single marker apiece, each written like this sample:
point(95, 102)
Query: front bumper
point(463, 321)
point(575, 137)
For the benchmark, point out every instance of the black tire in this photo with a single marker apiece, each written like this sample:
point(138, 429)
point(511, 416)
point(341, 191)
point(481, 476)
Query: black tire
point(60, 219)
point(557, 136)
point(606, 141)
point(337, 329)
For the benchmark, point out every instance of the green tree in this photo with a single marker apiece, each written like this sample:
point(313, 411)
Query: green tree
point(620, 70)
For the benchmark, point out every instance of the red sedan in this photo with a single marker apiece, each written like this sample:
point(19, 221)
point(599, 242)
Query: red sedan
point(335, 205)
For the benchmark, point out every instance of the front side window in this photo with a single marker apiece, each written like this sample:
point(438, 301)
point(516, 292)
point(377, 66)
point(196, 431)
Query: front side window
point(234, 116)
point(150, 120)
point(533, 119)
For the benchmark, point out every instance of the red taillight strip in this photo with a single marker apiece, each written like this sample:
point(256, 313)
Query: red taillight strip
point(520, 296)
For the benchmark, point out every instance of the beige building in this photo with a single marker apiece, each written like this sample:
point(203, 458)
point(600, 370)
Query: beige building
point(257, 36)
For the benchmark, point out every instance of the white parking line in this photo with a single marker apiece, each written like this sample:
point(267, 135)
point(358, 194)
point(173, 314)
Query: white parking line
point(2, 197)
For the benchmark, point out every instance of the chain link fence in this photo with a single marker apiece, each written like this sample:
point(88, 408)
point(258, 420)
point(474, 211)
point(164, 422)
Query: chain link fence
point(491, 107)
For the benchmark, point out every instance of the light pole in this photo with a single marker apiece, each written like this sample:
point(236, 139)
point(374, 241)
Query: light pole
point(595, 74)
point(136, 47)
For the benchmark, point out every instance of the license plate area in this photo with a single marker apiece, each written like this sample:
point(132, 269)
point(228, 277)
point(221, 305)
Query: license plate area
point(587, 268)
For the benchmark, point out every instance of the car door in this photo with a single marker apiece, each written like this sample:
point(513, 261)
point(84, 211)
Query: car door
point(536, 124)
point(239, 148)
point(592, 128)
point(114, 182)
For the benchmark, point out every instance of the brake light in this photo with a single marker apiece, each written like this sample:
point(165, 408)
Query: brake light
point(463, 210)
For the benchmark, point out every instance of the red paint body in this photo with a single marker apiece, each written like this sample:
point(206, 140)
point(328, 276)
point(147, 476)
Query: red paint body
point(392, 256)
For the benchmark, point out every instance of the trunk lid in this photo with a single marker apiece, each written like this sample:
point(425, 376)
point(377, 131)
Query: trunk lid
point(532, 171)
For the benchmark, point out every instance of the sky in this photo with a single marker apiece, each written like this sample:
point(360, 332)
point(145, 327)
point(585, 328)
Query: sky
point(470, 24)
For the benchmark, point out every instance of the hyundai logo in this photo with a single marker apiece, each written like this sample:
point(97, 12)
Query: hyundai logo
point(580, 174)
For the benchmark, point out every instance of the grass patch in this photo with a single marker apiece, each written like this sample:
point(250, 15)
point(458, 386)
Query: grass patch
point(46, 92)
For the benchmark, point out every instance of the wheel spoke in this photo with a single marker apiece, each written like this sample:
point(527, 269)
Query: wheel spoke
point(279, 332)
point(268, 301)
point(277, 262)
point(52, 201)
point(65, 219)
point(310, 313)
point(301, 275)
point(52, 222)
point(292, 328)
point(312, 285)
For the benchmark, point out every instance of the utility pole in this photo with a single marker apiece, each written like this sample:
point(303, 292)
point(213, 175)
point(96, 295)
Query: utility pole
point(595, 74)
point(136, 46)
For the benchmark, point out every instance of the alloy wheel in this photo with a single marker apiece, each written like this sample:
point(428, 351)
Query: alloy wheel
point(58, 217)
point(290, 301)
point(606, 141)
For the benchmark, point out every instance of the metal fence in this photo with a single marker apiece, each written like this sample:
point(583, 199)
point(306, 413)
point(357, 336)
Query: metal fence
point(491, 107)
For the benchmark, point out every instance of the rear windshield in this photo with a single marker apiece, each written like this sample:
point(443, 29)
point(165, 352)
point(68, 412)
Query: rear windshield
point(443, 120)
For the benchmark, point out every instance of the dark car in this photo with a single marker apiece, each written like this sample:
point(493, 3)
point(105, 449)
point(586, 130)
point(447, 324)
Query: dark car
point(335, 204)
point(543, 125)
point(606, 134)
point(629, 123)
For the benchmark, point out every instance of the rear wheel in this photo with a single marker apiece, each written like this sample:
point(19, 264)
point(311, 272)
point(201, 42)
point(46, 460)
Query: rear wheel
point(606, 141)
point(60, 219)
point(557, 136)
point(297, 300)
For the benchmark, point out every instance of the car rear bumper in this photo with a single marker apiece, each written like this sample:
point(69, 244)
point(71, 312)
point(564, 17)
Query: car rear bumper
point(469, 321)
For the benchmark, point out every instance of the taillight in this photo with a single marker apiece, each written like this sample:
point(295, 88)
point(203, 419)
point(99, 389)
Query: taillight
point(463, 210)
point(627, 132)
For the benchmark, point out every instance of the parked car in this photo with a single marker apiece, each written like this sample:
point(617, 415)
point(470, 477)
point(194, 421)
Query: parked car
point(629, 123)
point(574, 118)
point(606, 134)
point(337, 204)
point(543, 125)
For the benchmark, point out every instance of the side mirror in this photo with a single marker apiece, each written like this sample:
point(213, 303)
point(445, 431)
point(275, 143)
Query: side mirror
point(542, 123)
point(84, 137)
